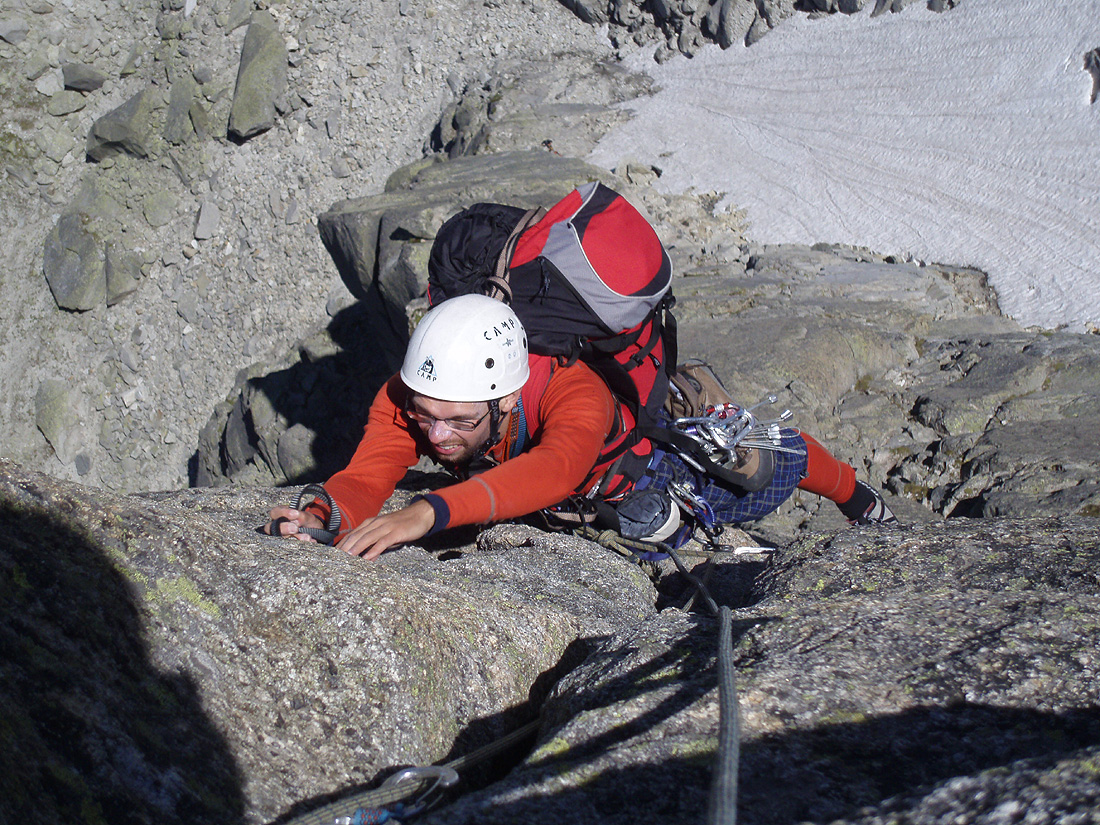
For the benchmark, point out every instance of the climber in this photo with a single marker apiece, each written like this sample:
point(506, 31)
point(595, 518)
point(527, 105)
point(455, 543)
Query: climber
point(522, 433)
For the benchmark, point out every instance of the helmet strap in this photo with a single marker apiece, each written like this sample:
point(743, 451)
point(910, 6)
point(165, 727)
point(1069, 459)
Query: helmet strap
point(494, 430)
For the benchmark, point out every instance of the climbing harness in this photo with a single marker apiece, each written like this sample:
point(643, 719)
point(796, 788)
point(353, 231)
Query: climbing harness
point(691, 502)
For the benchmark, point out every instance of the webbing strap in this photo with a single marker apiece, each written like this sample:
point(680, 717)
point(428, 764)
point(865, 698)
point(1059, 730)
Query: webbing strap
point(693, 453)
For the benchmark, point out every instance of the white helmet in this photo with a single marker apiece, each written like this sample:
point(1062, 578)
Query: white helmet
point(468, 348)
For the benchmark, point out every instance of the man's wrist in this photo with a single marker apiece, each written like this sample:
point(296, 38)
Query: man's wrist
point(440, 511)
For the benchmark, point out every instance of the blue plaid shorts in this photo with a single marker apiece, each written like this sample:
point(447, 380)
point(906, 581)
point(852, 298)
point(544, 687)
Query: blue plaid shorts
point(728, 505)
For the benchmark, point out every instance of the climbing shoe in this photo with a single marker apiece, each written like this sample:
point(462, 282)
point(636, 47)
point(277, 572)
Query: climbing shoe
point(866, 506)
point(647, 515)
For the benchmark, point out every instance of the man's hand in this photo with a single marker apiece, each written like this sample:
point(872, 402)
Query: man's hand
point(375, 535)
point(295, 519)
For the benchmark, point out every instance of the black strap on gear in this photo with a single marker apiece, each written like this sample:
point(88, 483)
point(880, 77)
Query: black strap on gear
point(494, 431)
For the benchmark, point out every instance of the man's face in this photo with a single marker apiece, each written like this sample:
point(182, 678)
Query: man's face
point(446, 423)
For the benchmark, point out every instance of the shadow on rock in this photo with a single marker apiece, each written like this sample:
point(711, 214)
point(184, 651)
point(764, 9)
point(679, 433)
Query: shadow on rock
point(482, 743)
point(91, 730)
point(730, 581)
point(892, 762)
point(301, 421)
point(963, 760)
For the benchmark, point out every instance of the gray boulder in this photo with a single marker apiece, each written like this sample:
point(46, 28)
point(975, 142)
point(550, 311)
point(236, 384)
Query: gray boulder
point(882, 6)
point(123, 272)
point(14, 30)
point(380, 242)
point(590, 11)
point(201, 672)
point(774, 12)
point(261, 78)
point(81, 77)
point(207, 221)
point(833, 6)
point(56, 416)
point(160, 207)
point(65, 102)
point(177, 121)
point(729, 21)
point(565, 107)
point(124, 130)
point(73, 261)
point(1092, 66)
point(1015, 420)
point(684, 25)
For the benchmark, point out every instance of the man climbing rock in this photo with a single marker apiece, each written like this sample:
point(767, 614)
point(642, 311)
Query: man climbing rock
point(525, 433)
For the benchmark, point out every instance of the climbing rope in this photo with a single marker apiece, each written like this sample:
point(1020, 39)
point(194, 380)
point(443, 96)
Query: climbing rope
point(315, 492)
point(309, 494)
point(722, 803)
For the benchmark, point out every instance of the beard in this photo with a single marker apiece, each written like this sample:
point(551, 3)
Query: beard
point(455, 453)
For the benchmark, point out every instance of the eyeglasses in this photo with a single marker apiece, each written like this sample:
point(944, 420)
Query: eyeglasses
point(463, 425)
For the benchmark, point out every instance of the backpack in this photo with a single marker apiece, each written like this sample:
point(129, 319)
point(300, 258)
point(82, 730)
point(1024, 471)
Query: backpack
point(590, 280)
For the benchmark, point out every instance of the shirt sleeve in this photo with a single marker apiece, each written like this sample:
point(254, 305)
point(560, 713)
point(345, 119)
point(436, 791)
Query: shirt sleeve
point(576, 414)
point(388, 449)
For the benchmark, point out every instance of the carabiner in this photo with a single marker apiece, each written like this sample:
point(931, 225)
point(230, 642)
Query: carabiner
point(443, 777)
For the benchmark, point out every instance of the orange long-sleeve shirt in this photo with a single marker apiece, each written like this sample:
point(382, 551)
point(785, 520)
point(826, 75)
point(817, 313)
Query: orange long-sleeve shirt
point(565, 433)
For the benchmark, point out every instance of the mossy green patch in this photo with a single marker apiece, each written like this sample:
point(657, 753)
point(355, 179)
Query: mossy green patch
point(701, 751)
point(14, 147)
point(183, 589)
point(844, 717)
point(1091, 766)
point(19, 578)
point(658, 678)
point(91, 812)
point(551, 750)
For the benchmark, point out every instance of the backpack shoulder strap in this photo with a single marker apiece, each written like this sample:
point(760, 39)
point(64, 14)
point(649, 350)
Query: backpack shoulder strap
point(498, 285)
point(542, 368)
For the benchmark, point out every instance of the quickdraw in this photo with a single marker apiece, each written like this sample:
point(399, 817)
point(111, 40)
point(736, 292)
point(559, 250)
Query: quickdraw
point(727, 426)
